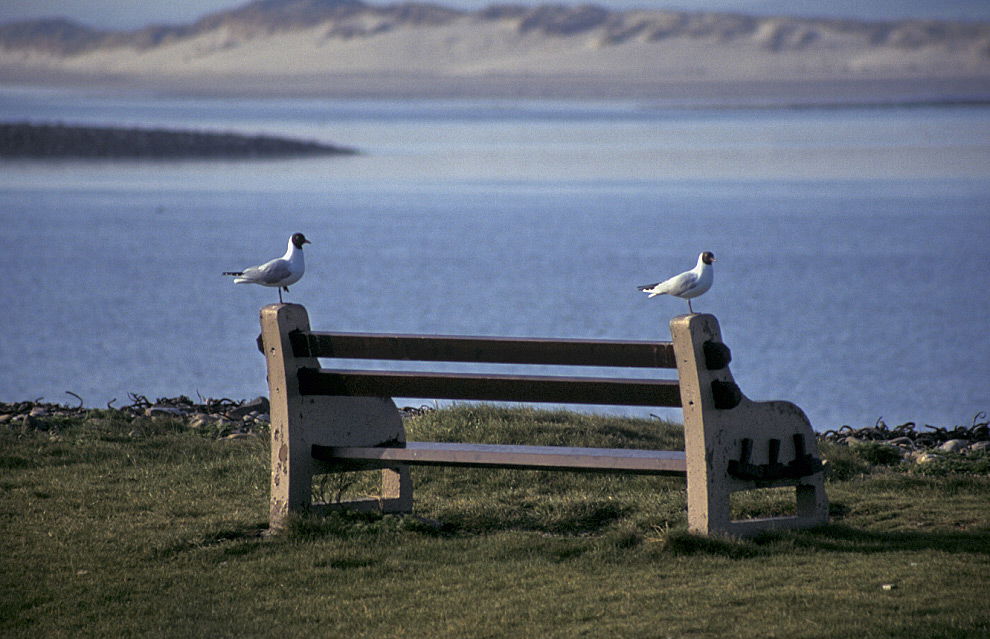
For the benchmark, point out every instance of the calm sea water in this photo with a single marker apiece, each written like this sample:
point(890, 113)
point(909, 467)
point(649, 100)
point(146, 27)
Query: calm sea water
point(852, 243)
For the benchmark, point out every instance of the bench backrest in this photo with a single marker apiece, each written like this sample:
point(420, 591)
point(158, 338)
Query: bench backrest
point(731, 443)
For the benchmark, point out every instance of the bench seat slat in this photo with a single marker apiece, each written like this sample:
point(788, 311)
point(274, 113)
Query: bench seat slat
point(646, 462)
point(508, 388)
point(499, 350)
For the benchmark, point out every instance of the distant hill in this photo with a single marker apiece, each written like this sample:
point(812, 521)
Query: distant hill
point(348, 46)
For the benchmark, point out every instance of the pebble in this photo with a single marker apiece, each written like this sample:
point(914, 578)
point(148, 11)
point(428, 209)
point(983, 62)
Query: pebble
point(257, 405)
point(200, 420)
point(954, 446)
point(904, 442)
point(164, 411)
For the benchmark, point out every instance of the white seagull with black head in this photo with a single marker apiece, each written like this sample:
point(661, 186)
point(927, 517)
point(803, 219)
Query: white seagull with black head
point(280, 272)
point(689, 283)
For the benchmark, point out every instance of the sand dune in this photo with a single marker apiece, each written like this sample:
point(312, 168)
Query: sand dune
point(359, 49)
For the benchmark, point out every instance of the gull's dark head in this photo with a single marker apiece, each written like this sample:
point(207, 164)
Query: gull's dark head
point(298, 239)
point(708, 257)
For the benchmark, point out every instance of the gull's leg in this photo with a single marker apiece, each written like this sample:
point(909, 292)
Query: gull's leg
point(279, 294)
point(689, 307)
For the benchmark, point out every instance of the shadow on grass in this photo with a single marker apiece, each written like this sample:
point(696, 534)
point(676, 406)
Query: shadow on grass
point(233, 542)
point(838, 537)
point(548, 516)
point(683, 543)
point(349, 524)
point(554, 517)
point(829, 539)
point(623, 543)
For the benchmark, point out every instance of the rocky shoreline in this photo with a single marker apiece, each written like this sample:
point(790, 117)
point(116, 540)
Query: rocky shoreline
point(230, 419)
point(221, 418)
point(910, 443)
point(47, 141)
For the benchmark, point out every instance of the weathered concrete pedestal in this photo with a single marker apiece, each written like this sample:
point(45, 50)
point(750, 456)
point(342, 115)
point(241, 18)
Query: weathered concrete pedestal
point(335, 421)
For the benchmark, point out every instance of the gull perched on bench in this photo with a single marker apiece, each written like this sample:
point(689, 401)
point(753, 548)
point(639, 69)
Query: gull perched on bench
point(280, 272)
point(689, 283)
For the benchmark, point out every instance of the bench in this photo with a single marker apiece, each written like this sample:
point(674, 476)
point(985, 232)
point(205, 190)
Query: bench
point(334, 420)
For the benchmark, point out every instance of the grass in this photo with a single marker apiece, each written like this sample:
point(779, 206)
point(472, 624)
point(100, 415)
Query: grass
point(114, 526)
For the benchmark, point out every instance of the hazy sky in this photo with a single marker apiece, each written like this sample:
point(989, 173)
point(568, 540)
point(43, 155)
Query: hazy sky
point(128, 14)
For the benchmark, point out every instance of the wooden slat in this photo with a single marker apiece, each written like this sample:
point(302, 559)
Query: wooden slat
point(446, 348)
point(646, 462)
point(508, 388)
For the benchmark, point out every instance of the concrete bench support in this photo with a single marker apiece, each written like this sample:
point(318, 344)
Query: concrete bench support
point(332, 420)
point(714, 437)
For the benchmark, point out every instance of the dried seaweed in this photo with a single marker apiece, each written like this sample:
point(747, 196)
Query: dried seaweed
point(926, 436)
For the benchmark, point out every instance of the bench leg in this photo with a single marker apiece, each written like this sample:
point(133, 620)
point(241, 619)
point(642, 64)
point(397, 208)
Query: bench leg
point(291, 481)
point(397, 490)
point(299, 421)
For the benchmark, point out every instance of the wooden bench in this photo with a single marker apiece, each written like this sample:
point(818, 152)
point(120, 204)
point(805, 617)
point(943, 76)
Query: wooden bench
point(330, 420)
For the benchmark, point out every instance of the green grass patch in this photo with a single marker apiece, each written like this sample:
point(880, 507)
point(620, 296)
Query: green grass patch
point(144, 528)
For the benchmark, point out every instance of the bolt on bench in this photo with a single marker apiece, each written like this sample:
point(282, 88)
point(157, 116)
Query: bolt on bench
point(326, 420)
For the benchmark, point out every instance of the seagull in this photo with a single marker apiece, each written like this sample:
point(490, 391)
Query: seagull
point(279, 272)
point(689, 283)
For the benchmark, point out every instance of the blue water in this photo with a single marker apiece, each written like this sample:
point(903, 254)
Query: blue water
point(852, 273)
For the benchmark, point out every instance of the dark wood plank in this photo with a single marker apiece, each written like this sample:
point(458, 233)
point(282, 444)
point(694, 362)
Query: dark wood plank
point(645, 462)
point(508, 388)
point(503, 350)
